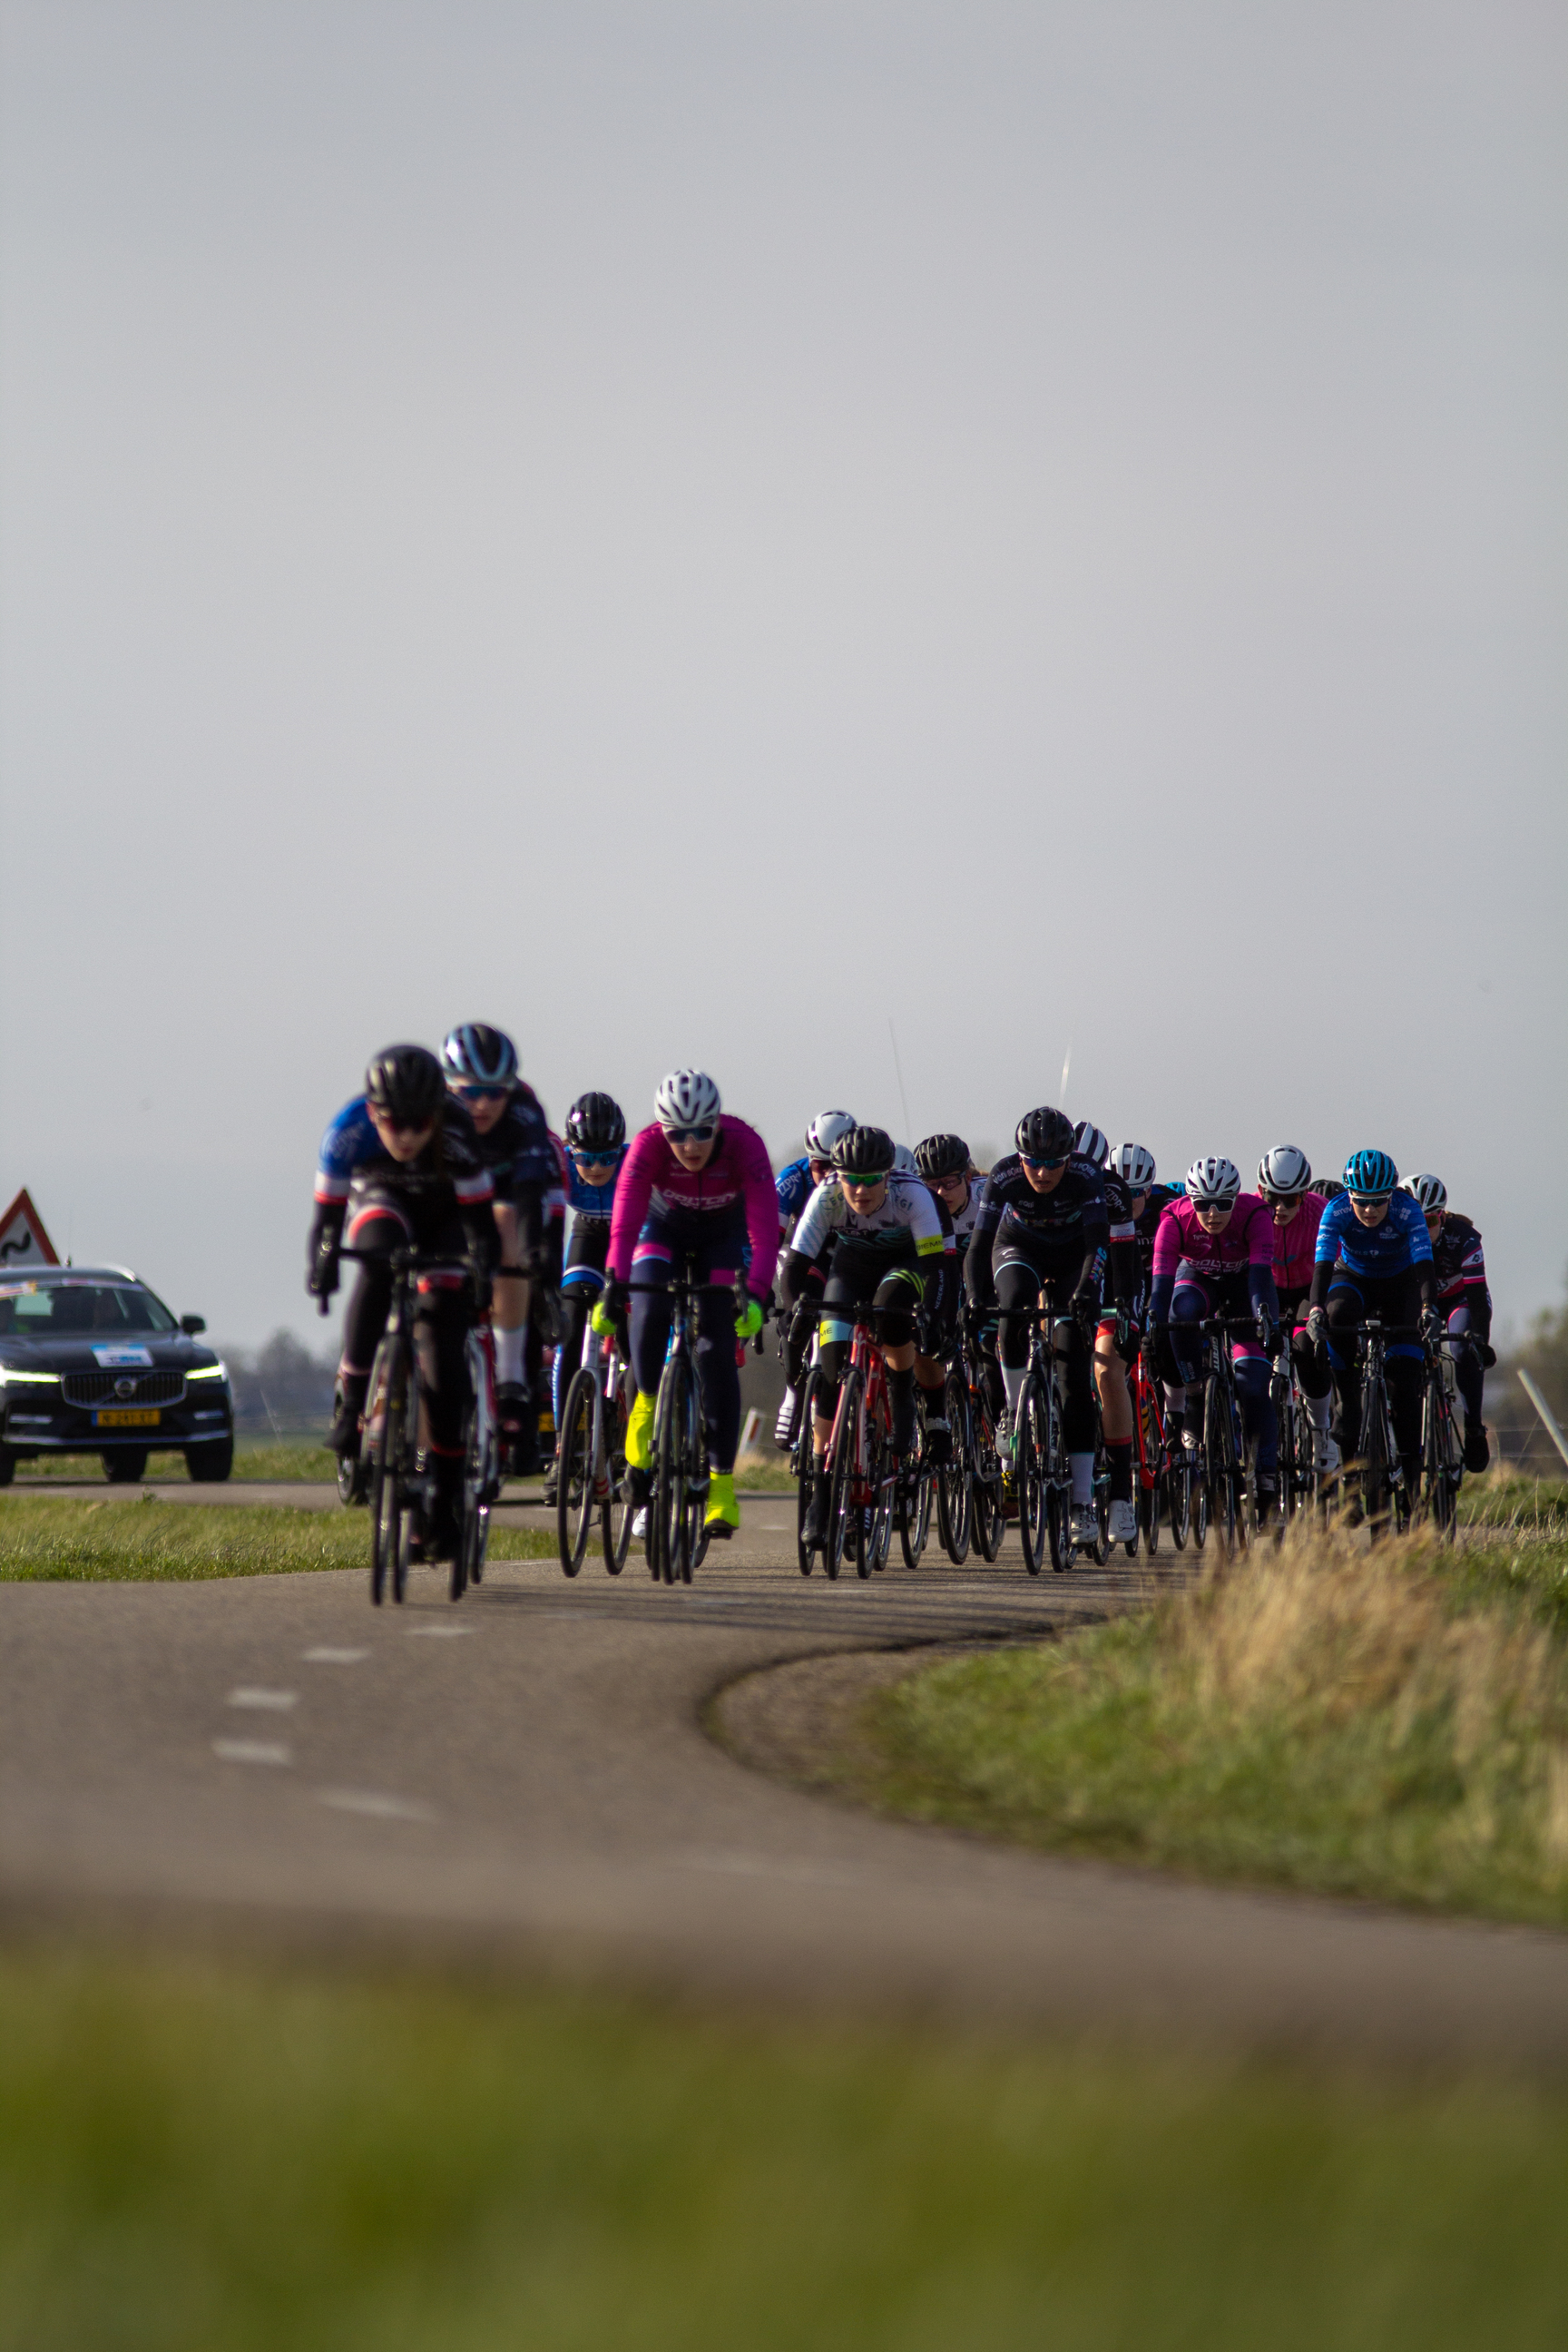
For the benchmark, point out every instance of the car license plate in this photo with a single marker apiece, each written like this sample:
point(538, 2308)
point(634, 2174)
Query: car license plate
point(143, 1418)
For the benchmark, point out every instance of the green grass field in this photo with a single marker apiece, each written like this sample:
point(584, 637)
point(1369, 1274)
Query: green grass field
point(293, 1459)
point(52, 1536)
point(200, 2158)
point(1390, 1723)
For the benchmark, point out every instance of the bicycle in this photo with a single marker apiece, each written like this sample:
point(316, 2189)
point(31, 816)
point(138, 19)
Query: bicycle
point(971, 1506)
point(1220, 1470)
point(677, 1539)
point(1384, 1498)
point(591, 1454)
point(859, 1462)
point(1163, 1484)
point(1300, 1474)
point(1042, 1480)
point(1442, 1454)
point(400, 1484)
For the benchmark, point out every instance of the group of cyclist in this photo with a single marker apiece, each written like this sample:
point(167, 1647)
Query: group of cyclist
point(452, 1156)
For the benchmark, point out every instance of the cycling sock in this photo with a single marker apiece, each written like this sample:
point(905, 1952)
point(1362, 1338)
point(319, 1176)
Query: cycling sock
point(639, 1432)
point(1012, 1382)
point(1119, 1452)
point(509, 1356)
point(722, 1507)
point(1083, 1479)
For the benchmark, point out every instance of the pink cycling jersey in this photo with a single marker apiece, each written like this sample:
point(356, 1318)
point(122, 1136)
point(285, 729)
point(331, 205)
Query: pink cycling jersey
point(652, 1178)
point(1294, 1243)
point(1247, 1240)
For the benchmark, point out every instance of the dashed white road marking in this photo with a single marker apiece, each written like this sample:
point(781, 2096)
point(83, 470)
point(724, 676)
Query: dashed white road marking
point(441, 1632)
point(321, 1656)
point(252, 1751)
point(278, 1701)
point(382, 1809)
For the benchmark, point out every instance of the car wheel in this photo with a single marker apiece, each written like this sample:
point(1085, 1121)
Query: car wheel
point(211, 1461)
point(8, 1465)
point(124, 1468)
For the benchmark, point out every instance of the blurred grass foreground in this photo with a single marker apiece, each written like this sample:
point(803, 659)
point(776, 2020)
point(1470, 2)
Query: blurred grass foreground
point(199, 2158)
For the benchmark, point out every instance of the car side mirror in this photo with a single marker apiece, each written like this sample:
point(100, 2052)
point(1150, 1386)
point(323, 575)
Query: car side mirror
point(191, 1324)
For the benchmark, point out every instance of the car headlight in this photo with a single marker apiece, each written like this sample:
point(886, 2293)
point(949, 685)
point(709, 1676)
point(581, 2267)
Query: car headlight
point(12, 1378)
point(219, 1372)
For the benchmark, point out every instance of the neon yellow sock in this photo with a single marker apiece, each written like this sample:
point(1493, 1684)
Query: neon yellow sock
point(723, 1506)
point(639, 1432)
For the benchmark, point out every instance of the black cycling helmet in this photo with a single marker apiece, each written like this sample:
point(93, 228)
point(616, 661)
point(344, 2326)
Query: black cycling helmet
point(595, 1123)
point(477, 1056)
point(1328, 1186)
point(1046, 1134)
point(864, 1154)
point(407, 1083)
point(942, 1155)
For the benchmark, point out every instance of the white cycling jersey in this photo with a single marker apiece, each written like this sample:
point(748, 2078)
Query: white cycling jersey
point(908, 1214)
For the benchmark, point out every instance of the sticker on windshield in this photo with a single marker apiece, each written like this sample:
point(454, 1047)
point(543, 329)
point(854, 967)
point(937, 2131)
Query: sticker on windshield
point(18, 1289)
point(121, 1352)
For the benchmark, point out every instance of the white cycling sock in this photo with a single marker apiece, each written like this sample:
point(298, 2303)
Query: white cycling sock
point(1318, 1409)
point(1083, 1478)
point(510, 1346)
point(1012, 1382)
point(1175, 1396)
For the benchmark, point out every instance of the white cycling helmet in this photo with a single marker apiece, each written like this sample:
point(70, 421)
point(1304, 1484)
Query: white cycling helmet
point(904, 1161)
point(1430, 1190)
point(1285, 1172)
point(1090, 1143)
point(687, 1098)
point(1213, 1184)
point(1134, 1166)
point(825, 1131)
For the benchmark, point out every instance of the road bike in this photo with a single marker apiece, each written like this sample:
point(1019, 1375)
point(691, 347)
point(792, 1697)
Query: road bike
point(1163, 1480)
point(1219, 1470)
point(1384, 1500)
point(677, 1539)
point(972, 1502)
point(401, 1485)
point(1442, 1454)
point(1042, 1478)
point(859, 1464)
point(1299, 1473)
point(590, 1459)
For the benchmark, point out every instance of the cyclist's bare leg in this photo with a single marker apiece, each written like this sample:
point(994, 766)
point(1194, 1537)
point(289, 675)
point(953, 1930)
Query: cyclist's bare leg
point(511, 1304)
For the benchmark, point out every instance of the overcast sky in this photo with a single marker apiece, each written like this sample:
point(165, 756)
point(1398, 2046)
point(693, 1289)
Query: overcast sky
point(691, 532)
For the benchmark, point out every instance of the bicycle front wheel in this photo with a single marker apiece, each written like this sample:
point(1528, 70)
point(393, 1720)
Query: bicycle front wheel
point(844, 1532)
point(952, 1510)
point(1219, 1454)
point(1030, 1481)
point(574, 1467)
point(389, 1395)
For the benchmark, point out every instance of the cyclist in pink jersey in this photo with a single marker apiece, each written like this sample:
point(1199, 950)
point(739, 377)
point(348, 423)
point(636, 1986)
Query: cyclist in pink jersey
point(1284, 1177)
point(1214, 1255)
point(696, 1188)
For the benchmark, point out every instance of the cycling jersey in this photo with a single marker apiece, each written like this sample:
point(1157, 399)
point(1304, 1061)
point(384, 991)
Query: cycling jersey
point(520, 1150)
point(351, 1152)
point(586, 1199)
point(794, 1189)
point(908, 1216)
point(963, 1219)
point(1399, 1242)
point(1295, 1244)
point(1460, 1267)
point(1072, 1223)
point(1146, 1224)
point(1183, 1251)
point(738, 1182)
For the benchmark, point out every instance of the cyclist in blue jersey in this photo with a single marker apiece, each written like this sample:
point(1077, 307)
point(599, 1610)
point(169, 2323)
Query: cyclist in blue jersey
point(1374, 1257)
point(596, 1147)
point(514, 1142)
point(794, 1185)
point(401, 1164)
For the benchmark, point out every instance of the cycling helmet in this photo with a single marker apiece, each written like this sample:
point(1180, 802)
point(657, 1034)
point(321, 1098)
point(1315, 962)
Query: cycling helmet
point(477, 1056)
point(825, 1131)
point(942, 1155)
point(595, 1123)
point(687, 1098)
point(1372, 1174)
point(904, 1159)
point(1284, 1171)
point(407, 1083)
point(1330, 1187)
point(1090, 1143)
point(1430, 1190)
point(1213, 1184)
point(1045, 1134)
point(864, 1154)
point(1134, 1166)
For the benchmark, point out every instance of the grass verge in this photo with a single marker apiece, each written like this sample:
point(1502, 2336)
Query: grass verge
point(51, 1537)
point(203, 2160)
point(289, 1460)
point(1390, 1724)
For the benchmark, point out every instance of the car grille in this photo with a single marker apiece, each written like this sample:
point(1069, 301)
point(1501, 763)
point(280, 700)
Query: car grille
point(104, 1388)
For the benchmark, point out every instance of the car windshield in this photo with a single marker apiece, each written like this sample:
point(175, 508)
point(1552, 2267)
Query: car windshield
point(62, 1310)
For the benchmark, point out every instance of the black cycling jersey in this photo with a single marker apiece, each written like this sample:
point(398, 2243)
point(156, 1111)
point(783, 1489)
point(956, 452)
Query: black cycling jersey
point(447, 1177)
point(1069, 1226)
point(1460, 1267)
point(518, 1150)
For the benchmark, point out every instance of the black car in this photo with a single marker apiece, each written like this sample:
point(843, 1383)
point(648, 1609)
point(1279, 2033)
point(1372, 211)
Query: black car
point(91, 1361)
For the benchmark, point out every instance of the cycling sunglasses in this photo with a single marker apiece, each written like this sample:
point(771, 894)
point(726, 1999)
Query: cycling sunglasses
point(692, 1134)
point(482, 1094)
point(864, 1183)
point(595, 1159)
point(1044, 1164)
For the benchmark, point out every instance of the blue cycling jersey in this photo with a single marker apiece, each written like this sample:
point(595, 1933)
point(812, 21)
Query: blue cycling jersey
point(586, 1199)
point(351, 1147)
point(795, 1187)
point(1401, 1241)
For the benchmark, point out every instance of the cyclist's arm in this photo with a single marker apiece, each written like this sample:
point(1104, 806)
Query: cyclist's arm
point(762, 1209)
point(977, 1285)
point(793, 1271)
point(633, 1190)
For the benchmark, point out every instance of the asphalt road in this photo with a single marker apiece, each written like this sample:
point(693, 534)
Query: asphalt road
point(528, 1775)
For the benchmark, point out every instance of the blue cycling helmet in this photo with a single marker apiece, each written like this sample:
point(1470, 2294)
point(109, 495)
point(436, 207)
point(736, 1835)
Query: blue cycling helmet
point(477, 1056)
point(1372, 1174)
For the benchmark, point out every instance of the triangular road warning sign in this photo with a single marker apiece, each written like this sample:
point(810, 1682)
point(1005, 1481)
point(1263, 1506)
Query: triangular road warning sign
point(24, 1244)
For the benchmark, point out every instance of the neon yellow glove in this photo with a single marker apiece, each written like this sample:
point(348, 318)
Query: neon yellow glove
point(749, 1321)
point(601, 1321)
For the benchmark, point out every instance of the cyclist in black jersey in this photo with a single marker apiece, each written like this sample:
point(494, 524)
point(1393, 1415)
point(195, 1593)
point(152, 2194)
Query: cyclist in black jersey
point(1464, 1302)
point(401, 1164)
point(513, 1141)
point(1044, 1226)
